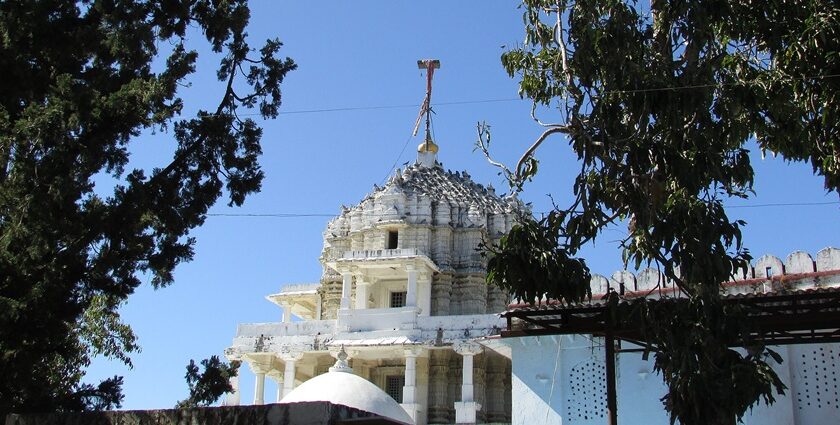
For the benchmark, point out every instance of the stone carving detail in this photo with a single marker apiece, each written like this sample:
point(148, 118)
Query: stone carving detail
point(440, 409)
point(454, 385)
point(467, 348)
point(469, 294)
point(495, 388)
point(441, 294)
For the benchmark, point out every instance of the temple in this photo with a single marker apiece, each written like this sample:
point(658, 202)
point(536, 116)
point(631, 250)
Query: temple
point(403, 291)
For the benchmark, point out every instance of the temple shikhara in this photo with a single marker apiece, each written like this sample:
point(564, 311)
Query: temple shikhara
point(403, 326)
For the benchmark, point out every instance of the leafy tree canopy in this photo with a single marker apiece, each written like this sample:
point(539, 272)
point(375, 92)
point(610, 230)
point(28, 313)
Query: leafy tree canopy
point(658, 100)
point(208, 386)
point(81, 80)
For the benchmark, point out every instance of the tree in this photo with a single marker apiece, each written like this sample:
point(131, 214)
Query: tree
point(658, 104)
point(208, 386)
point(81, 81)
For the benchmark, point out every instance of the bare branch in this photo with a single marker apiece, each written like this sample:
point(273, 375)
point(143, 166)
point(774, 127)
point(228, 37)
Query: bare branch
point(530, 152)
point(483, 144)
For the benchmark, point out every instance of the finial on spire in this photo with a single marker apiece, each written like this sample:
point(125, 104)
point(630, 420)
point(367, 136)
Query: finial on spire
point(428, 149)
point(341, 362)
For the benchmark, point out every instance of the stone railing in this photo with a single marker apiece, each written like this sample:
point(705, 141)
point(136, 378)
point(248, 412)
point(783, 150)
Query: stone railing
point(372, 254)
point(376, 319)
point(309, 327)
point(299, 287)
point(798, 271)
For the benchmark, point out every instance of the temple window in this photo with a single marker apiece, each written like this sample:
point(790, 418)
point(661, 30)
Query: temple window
point(398, 299)
point(394, 386)
point(393, 239)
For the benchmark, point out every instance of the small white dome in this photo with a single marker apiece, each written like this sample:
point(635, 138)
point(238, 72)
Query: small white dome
point(348, 389)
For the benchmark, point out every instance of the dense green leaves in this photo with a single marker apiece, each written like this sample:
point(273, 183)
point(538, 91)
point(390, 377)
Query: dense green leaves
point(81, 80)
point(658, 101)
point(530, 265)
point(693, 341)
point(206, 387)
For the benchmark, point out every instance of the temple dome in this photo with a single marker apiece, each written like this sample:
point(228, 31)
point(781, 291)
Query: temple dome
point(342, 387)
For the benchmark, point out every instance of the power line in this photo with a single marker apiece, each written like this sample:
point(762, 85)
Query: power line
point(304, 215)
point(518, 99)
point(405, 106)
point(785, 204)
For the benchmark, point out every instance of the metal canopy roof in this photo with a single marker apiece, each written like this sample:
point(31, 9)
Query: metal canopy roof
point(777, 318)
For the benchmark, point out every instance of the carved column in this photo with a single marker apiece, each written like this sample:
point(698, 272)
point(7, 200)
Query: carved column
point(330, 292)
point(424, 294)
point(277, 376)
point(409, 401)
point(259, 384)
point(497, 299)
point(287, 312)
point(411, 286)
point(494, 401)
point(346, 285)
point(290, 357)
point(466, 410)
point(361, 293)
point(442, 244)
point(469, 291)
point(480, 385)
point(454, 387)
point(440, 410)
point(441, 292)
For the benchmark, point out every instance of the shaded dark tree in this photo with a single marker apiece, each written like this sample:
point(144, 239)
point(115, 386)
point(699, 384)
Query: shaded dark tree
point(659, 101)
point(206, 387)
point(81, 80)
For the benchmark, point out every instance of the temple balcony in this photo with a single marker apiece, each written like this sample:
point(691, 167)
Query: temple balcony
point(303, 328)
point(379, 254)
point(300, 299)
point(377, 319)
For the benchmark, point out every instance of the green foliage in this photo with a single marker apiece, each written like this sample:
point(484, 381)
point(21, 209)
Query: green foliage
point(81, 80)
point(658, 101)
point(529, 263)
point(693, 339)
point(208, 386)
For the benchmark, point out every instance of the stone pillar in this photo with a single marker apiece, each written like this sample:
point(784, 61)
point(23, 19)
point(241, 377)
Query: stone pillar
point(440, 411)
point(287, 312)
point(411, 287)
point(494, 401)
point(259, 384)
point(424, 294)
point(330, 293)
point(277, 377)
point(361, 294)
point(466, 409)
point(410, 387)
point(259, 389)
point(346, 284)
point(290, 358)
point(409, 401)
point(470, 290)
point(441, 290)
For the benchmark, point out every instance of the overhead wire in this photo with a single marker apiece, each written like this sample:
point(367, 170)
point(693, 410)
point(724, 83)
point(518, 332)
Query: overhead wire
point(515, 99)
point(304, 215)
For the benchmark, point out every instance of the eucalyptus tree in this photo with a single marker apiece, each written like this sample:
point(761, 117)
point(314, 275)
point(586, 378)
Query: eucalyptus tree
point(659, 101)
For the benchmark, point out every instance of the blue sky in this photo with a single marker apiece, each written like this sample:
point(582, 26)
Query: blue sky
point(363, 55)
